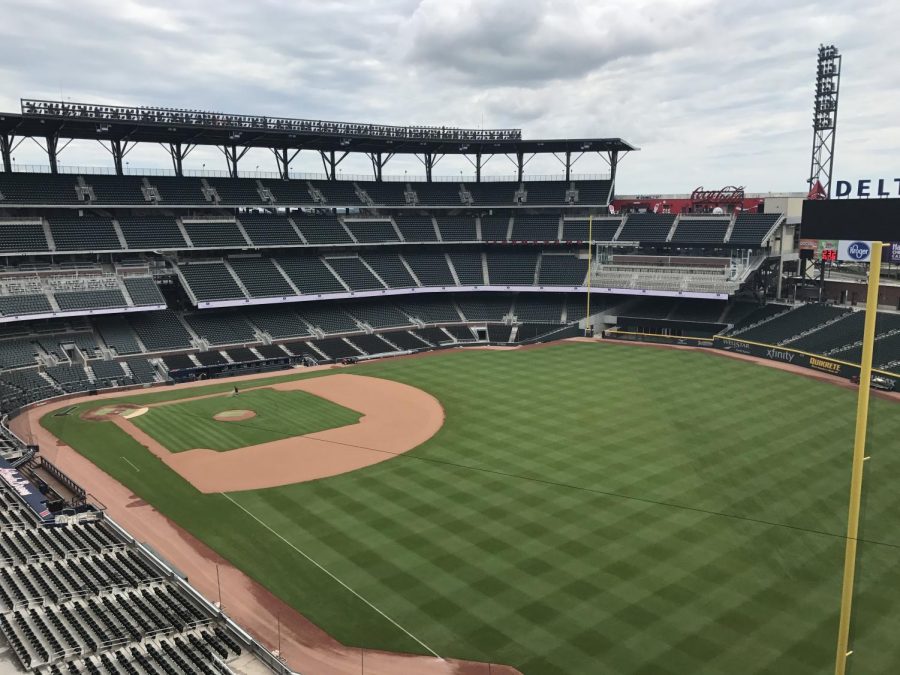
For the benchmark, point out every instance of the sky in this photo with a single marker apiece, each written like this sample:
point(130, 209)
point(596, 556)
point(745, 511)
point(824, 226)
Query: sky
point(714, 92)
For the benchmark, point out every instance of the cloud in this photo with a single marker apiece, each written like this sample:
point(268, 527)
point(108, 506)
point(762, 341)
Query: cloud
point(713, 91)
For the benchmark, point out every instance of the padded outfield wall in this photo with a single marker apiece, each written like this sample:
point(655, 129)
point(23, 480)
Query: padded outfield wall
point(777, 353)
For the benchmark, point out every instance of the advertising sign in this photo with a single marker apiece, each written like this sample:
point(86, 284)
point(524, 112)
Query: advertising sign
point(850, 250)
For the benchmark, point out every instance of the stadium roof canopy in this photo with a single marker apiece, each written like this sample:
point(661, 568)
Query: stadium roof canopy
point(181, 130)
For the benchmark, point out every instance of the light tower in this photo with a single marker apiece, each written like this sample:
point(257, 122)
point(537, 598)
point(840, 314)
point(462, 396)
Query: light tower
point(825, 108)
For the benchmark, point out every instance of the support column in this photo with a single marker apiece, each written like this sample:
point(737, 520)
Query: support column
point(177, 154)
point(477, 167)
point(52, 142)
point(283, 161)
point(568, 165)
point(232, 156)
point(520, 165)
point(118, 155)
point(6, 141)
point(429, 164)
point(613, 165)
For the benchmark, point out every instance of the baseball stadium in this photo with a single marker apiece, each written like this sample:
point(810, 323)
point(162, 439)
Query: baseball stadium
point(391, 424)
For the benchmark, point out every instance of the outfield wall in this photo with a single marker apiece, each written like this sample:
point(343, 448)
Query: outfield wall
point(777, 353)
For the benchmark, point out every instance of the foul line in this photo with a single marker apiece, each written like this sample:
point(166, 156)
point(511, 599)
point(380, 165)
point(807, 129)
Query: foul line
point(265, 525)
point(132, 465)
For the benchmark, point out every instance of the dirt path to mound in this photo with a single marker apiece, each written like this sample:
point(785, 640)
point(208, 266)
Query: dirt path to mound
point(396, 418)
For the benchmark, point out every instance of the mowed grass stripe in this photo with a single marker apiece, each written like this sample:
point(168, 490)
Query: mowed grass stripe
point(496, 562)
point(279, 415)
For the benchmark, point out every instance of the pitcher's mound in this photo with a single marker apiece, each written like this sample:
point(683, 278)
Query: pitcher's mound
point(234, 415)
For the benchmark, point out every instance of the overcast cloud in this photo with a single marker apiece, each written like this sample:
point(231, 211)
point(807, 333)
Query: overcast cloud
point(714, 92)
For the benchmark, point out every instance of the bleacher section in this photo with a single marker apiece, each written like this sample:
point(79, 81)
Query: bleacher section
point(269, 229)
point(88, 233)
point(210, 281)
point(535, 228)
point(562, 270)
point(602, 229)
point(512, 268)
point(151, 232)
point(143, 291)
point(750, 229)
point(260, 277)
point(651, 228)
point(792, 324)
point(700, 231)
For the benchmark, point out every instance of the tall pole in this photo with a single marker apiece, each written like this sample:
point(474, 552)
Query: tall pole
point(587, 325)
point(859, 456)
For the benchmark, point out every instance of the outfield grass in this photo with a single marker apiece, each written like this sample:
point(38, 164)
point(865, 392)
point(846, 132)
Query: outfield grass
point(279, 415)
point(585, 509)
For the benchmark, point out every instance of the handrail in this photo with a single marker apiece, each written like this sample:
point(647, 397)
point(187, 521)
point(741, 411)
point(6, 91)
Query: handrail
point(199, 118)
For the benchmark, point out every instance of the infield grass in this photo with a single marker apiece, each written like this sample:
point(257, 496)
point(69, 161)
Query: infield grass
point(279, 414)
point(586, 508)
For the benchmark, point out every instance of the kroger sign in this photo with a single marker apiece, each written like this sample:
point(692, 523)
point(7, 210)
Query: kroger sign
point(854, 251)
point(868, 187)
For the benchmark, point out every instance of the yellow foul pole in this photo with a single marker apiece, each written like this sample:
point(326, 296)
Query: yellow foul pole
point(859, 453)
point(587, 325)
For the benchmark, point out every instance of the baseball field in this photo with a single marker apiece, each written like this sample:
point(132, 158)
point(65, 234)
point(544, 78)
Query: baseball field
point(582, 508)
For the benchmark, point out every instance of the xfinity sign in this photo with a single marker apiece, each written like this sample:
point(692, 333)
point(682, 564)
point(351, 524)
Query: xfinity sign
point(854, 251)
point(868, 187)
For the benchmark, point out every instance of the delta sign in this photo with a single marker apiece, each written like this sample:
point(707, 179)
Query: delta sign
point(867, 187)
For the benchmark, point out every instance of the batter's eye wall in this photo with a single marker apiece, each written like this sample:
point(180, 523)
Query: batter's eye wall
point(867, 219)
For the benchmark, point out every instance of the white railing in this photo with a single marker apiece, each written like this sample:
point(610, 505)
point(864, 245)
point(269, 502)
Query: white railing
point(300, 175)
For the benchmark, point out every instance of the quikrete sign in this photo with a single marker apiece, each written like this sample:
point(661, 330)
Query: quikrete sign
point(868, 187)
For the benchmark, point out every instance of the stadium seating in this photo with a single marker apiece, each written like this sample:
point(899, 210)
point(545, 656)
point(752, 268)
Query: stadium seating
point(377, 315)
point(535, 228)
point(468, 267)
point(117, 189)
point(210, 281)
point(390, 269)
point(371, 231)
point(88, 233)
point(545, 192)
point(179, 191)
point(338, 192)
point(457, 228)
point(221, 328)
point(38, 188)
point(310, 275)
point(143, 291)
point(593, 192)
point(416, 228)
point(494, 228)
point(430, 309)
point(651, 228)
point(322, 230)
point(386, 193)
point(355, 273)
point(151, 232)
point(159, 331)
point(278, 322)
point(430, 268)
point(31, 303)
point(371, 344)
point(236, 191)
point(438, 194)
point(700, 231)
point(538, 308)
point(512, 268)
point(21, 236)
point(214, 234)
point(751, 228)
point(562, 270)
point(794, 323)
point(269, 229)
point(260, 277)
point(86, 300)
point(289, 192)
point(482, 307)
point(117, 335)
point(602, 229)
point(492, 194)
